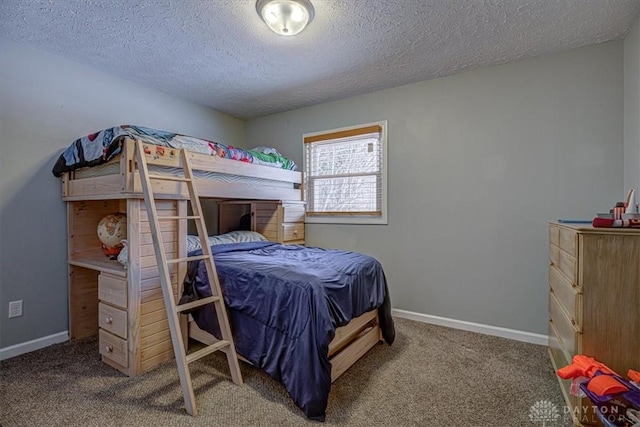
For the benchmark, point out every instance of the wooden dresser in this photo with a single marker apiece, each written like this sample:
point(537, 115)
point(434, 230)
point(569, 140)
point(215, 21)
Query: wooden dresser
point(278, 221)
point(594, 302)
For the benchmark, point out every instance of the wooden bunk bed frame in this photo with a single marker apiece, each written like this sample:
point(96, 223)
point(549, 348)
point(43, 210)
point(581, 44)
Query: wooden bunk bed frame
point(132, 325)
point(126, 182)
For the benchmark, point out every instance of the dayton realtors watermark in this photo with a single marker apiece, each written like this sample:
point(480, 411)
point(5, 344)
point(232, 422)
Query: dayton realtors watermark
point(546, 414)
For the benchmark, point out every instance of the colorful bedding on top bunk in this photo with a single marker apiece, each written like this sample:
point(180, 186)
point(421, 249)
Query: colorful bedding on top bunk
point(100, 147)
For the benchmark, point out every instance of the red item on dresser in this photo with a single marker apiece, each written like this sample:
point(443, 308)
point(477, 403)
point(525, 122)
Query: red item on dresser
point(616, 223)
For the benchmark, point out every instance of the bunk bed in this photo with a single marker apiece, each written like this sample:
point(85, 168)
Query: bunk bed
point(100, 176)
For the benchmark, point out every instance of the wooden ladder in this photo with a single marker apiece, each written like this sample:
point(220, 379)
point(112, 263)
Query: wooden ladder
point(226, 343)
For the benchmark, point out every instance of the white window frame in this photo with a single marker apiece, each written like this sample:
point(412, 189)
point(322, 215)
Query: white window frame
point(353, 218)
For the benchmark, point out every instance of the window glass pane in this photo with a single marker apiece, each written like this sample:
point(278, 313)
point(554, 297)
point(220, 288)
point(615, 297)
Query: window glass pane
point(348, 194)
point(342, 158)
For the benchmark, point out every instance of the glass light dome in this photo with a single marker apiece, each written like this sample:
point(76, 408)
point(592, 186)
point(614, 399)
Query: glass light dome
point(285, 17)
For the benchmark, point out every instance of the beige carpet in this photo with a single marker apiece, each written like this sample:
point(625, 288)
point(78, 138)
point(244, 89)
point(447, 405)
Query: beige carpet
point(431, 376)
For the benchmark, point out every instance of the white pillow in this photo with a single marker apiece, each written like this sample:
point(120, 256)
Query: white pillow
point(239, 236)
point(193, 243)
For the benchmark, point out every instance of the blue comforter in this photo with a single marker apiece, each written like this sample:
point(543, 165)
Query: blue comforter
point(285, 303)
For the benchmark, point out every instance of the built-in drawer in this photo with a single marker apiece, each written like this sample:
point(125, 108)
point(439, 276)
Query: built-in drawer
point(113, 290)
point(113, 320)
point(293, 232)
point(114, 348)
point(566, 331)
point(293, 212)
point(568, 296)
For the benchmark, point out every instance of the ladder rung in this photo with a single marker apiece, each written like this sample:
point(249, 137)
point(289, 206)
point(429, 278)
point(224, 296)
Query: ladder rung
point(167, 218)
point(197, 303)
point(189, 258)
point(169, 178)
point(207, 350)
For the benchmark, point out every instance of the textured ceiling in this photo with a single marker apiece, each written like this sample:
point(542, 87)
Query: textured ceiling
point(219, 53)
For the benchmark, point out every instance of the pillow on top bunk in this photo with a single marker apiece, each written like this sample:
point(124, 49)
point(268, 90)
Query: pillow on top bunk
point(239, 236)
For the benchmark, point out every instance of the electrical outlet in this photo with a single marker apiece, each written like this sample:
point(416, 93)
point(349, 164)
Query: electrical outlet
point(15, 309)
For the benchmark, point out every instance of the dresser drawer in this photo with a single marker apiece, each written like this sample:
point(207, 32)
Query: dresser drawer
point(558, 354)
point(554, 235)
point(113, 290)
point(293, 232)
point(113, 348)
point(567, 334)
point(113, 320)
point(293, 212)
point(569, 267)
point(560, 359)
point(565, 263)
point(568, 296)
point(554, 254)
point(568, 241)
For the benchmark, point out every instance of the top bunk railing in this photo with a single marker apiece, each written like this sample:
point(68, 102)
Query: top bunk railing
point(217, 178)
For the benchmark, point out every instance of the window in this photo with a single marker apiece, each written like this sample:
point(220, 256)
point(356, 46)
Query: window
point(345, 175)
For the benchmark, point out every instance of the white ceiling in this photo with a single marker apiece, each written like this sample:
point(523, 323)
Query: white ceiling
point(220, 54)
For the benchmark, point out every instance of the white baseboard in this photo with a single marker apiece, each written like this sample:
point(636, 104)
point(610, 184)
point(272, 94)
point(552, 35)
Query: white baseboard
point(473, 327)
point(37, 344)
point(33, 345)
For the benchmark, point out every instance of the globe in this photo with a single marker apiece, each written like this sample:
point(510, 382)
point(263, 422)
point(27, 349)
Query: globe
point(111, 230)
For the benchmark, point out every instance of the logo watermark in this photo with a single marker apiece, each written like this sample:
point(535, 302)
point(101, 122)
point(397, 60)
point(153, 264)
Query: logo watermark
point(543, 412)
point(546, 414)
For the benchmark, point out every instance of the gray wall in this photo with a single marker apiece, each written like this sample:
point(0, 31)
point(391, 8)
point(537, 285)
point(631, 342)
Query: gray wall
point(45, 103)
point(478, 164)
point(632, 109)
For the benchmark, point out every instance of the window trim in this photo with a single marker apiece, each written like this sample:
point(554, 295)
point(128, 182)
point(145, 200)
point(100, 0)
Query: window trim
point(351, 217)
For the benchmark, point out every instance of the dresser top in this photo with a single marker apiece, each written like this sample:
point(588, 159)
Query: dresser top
point(588, 228)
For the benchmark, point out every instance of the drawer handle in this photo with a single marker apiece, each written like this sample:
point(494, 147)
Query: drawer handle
point(108, 320)
point(295, 232)
point(109, 348)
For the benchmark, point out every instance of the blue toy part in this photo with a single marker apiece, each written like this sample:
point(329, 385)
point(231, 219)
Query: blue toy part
point(616, 410)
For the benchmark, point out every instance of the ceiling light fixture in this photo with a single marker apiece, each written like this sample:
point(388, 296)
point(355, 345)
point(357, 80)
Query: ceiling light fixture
point(285, 17)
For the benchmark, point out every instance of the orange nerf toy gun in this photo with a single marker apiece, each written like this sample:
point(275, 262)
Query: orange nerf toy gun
point(603, 380)
point(583, 366)
point(617, 400)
